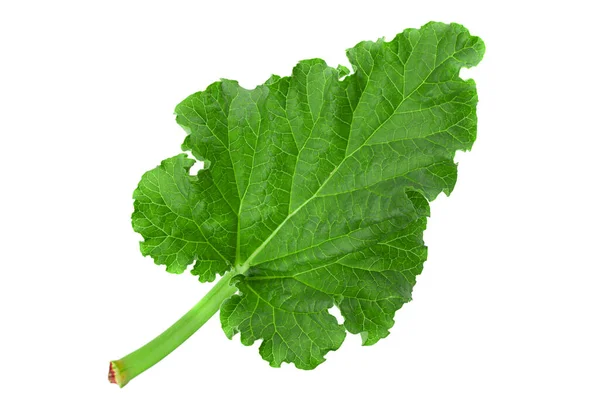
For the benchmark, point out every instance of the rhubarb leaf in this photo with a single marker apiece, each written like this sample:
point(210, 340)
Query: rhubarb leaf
point(316, 189)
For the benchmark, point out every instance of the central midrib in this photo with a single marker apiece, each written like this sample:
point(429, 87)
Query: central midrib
point(246, 265)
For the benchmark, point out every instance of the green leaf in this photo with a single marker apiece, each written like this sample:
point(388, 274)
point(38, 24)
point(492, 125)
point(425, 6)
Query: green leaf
point(316, 189)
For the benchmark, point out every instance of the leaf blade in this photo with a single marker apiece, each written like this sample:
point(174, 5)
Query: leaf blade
point(317, 188)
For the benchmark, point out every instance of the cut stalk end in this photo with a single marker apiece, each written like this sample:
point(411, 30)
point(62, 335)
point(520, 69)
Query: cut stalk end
point(115, 375)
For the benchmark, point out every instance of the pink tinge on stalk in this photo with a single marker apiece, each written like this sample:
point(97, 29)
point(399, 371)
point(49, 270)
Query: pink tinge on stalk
point(112, 374)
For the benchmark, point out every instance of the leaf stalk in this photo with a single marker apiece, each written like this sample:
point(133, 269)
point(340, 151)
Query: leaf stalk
point(122, 371)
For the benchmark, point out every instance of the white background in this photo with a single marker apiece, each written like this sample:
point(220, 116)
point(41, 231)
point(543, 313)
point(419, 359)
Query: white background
point(507, 306)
